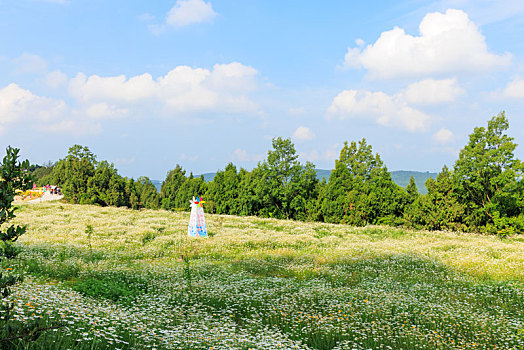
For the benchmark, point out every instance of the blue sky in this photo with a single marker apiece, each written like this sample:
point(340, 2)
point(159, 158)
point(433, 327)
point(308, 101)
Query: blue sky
point(200, 83)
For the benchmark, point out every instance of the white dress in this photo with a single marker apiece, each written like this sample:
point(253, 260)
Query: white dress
point(197, 222)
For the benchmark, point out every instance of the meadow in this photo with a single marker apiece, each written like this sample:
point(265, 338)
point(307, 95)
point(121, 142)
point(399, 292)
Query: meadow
point(116, 278)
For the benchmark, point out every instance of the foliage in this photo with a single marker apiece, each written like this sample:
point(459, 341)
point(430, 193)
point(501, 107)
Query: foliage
point(146, 192)
point(360, 189)
point(488, 177)
point(74, 172)
point(284, 185)
point(42, 174)
point(13, 175)
point(175, 180)
point(439, 209)
point(87, 181)
point(223, 193)
point(484, 192)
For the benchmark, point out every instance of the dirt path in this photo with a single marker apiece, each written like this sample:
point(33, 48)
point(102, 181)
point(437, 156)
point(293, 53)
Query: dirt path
point(46, 197)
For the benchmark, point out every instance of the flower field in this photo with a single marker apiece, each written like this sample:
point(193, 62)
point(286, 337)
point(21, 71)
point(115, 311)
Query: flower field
point(115, 278)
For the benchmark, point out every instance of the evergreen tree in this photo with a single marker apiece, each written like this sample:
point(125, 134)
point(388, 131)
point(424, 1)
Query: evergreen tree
point(222, 196)
point(147, 193)
point(439, 209)
point(285, 185)
point(74, 172)
point(360, 189)
point(488, 178)
point(174, 182)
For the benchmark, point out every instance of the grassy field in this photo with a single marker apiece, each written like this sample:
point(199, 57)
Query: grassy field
point(116, 279)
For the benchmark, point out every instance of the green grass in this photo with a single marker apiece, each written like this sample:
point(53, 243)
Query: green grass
point(263, 284)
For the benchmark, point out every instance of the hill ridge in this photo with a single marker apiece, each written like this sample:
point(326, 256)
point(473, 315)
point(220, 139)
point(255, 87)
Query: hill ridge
point(401, 178)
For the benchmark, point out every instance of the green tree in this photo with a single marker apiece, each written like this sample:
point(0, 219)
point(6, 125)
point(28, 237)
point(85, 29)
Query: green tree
point(249, 201)
point(74, 172)
point(13, 175)
point(412, 191)
point(42, 175)
point(285, 185)
point(175, 181)
point(360, 189)
point(222, 196)
point(147, 193)
point(439, 209)
point(488, 178)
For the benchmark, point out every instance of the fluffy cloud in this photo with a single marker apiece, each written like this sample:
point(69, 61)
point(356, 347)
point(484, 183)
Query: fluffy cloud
point(242, 155)
point(443, 136)
point(18, 104)
point(448, 42)
point(396, 110)
point(514, 89)
point(186, 12)
point(316, 156)
point(225, 88)
point(96, 88)
point(55, 79)
point(384, 109)
point(29, 64)
point(432, 91)
point(303, 134)
point(104, 111)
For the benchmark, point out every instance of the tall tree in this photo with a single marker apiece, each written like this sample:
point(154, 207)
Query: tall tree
point(285, 185)
point(74, 172)
point(175, 181)
point(488, 177)
point(439, 209)
point(222, 196)
point(360, 189)
point(147, 193)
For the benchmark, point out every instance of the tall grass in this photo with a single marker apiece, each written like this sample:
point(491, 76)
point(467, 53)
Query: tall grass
point(136, 281)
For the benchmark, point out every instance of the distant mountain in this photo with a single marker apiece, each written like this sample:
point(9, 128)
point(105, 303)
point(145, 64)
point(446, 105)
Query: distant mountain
point(157, 184)
point(401, 177)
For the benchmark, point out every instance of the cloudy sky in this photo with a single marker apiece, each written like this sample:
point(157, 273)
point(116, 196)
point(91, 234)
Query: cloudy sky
point(200, 83)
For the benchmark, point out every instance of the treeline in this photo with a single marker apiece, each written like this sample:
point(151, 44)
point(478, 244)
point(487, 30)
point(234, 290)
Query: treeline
point(484, 192)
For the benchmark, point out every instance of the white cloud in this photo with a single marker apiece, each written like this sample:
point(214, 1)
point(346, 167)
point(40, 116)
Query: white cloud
point(186, 12)
point(514, 89)
point(18, 104)
point(382, 108)
point(432, 91)
point(104, 111)
point(315, 156)
point(55, 79)
point(443, 136)
point(448, 42)
point(96, 88)
point(242, 155)
point(303, 134)
point(30, 64)
point(72, 127)
point(225, 88)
